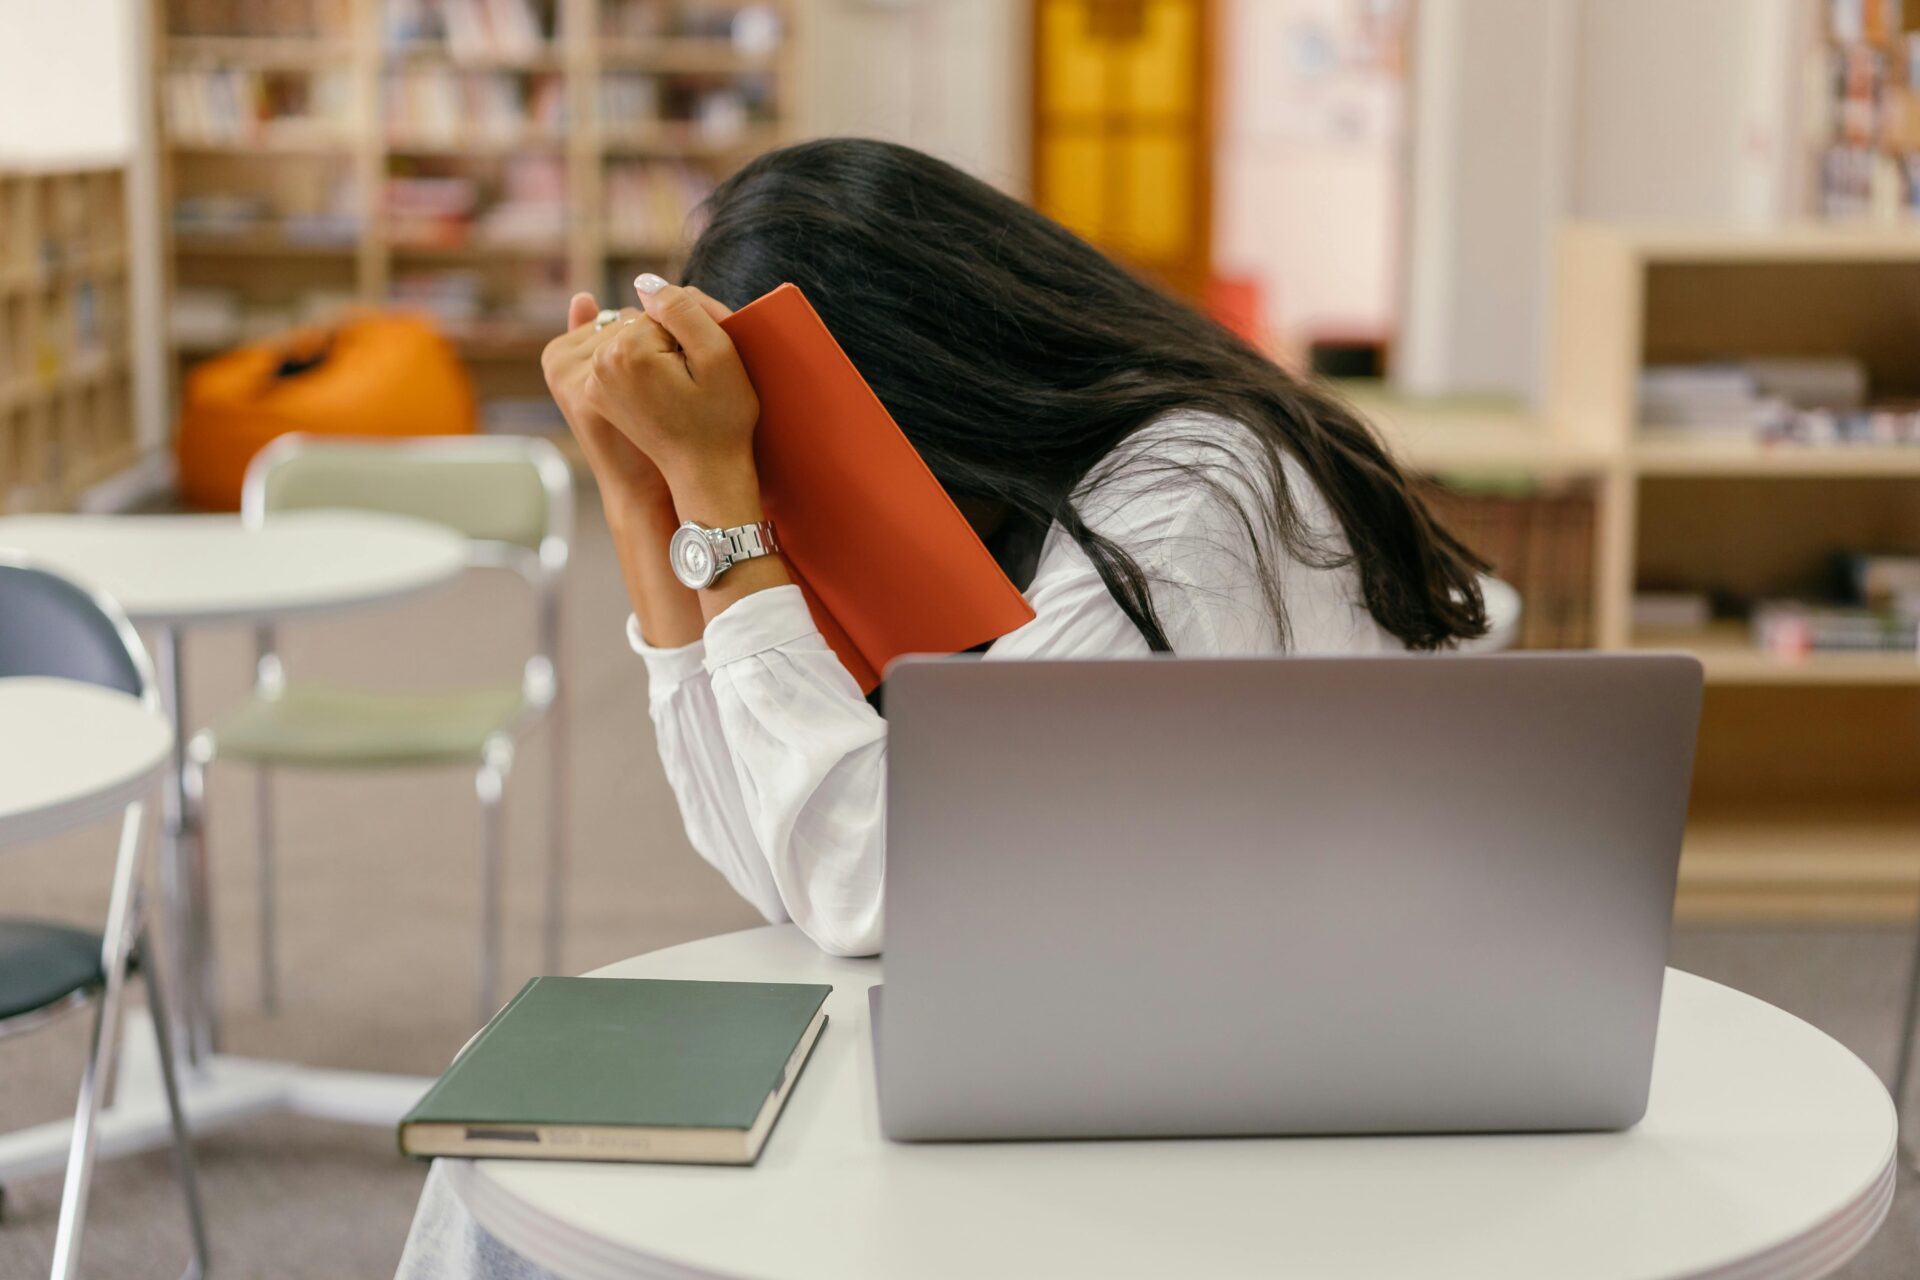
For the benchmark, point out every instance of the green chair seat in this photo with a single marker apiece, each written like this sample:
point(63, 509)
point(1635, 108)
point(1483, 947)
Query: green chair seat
point(42, 963)
point(317, 726)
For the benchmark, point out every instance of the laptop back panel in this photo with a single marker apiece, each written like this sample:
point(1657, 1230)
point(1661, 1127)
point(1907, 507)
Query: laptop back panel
point(1270, 896)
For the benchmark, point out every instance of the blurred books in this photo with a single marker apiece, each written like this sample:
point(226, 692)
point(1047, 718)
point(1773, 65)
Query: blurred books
point(242, 105)
point(470, 30)
point(1815, 401)
point(1540, 542)
point(439, 106)
point(525, 207)
point(648, 203)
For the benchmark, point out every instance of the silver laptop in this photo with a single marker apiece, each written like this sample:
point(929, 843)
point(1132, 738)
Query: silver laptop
point(1278, 896)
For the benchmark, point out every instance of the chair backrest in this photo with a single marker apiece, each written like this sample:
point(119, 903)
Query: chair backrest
point(507, 492)
point(50, 625)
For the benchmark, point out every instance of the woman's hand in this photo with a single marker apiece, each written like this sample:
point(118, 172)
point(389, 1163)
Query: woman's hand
point(628, 479)
point(674, 386)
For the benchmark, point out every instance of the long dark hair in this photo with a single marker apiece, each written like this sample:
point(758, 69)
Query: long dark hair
point(1016, 357)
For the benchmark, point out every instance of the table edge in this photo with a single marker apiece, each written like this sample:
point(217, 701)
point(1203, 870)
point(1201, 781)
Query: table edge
point(94, 806)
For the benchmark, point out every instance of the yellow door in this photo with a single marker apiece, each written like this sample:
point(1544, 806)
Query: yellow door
point(1121, 130)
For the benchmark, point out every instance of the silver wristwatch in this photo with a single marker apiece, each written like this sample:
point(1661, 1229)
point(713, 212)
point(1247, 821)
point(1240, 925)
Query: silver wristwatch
point(700, 555)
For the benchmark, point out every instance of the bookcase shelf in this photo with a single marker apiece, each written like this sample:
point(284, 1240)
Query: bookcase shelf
point(66, 399)
point(1681, 458)
point(1727, 653)
point(355, 105)
point(1807, 784)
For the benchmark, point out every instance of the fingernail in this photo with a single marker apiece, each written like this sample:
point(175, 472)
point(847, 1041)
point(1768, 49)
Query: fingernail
point(647, 282)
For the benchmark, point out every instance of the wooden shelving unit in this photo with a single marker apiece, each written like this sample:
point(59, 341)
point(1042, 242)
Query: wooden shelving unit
point(1807, 783)
point(66, 415)
point(655, 83)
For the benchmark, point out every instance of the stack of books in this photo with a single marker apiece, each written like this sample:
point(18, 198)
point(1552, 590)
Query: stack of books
point(1807, 401)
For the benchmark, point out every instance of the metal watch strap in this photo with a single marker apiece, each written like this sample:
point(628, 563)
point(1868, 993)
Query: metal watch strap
point(748, 541)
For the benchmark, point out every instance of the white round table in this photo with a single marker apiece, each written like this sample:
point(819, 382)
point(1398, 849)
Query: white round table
point(1767, 1151)
point(171, 572)
point(71, 753)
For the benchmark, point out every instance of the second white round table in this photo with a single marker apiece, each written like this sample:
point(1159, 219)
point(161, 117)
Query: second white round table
point(72, 753)
point(170, 573)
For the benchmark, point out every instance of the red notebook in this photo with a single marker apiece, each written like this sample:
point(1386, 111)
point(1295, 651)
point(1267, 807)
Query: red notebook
point(887, 562)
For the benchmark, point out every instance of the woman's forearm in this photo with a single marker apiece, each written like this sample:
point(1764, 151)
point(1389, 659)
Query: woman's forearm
point(669, 613)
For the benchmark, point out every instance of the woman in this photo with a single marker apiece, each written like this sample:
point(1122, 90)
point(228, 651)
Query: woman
point(1150, 482)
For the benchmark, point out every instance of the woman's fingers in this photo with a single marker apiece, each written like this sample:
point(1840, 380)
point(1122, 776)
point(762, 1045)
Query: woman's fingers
point(712, 306)
point(683, 316)
point(582, 309)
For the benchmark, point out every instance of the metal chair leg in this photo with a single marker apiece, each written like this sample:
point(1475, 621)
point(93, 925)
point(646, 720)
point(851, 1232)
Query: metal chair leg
point(182, 1144)
point(79, 1179)
point(1903, 1070)
point(490, 786)
point(199, 992)
point(268, 880)
point(123, 913)
point(557, 850)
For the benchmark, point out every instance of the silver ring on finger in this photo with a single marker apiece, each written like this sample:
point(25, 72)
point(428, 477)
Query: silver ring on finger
point(604, 319)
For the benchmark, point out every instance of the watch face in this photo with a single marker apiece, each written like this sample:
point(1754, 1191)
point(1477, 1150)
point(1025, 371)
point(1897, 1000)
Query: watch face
point(692, 557)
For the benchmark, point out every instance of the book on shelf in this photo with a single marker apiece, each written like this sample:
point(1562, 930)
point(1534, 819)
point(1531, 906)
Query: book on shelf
point(216, 216)
point(752, 28)
point(525, 208)
point(1539, 540)
point(443, 107)
point(1672, 612)
point(1809, 401)
point(1794, 628)
point(471, 30)
point(649, 203)
point(238, 105)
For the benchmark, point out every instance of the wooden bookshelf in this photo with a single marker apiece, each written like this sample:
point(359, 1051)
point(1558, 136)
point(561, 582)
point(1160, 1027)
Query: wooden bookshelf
point(1808, 774)
point(675, 85)
point(66, 400)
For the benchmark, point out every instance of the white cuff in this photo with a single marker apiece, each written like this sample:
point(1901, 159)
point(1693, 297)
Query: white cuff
point(769, 619)
point(667, 669)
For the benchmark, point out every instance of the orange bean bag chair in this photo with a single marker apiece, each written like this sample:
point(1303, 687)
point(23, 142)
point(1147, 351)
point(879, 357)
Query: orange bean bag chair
point(376, 374)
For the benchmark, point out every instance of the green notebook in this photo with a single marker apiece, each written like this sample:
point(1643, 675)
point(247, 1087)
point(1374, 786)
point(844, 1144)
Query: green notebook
point(623, 1069)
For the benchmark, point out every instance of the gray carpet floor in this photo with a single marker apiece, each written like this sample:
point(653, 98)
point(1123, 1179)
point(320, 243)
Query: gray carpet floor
point(378, 925)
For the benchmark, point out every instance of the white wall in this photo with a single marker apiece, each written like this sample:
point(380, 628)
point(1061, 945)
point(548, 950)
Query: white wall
point(66, 78)
point(1307, 174)
point(947, 76)
point(1692, 124)
point(1488, 113)
point(1530, 112)
point(73, 79)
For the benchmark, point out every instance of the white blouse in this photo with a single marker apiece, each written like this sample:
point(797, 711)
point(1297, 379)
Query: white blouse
point(779, 764)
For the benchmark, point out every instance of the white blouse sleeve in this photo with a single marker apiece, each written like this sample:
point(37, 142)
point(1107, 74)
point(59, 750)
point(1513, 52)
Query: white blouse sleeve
point(699, 767)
